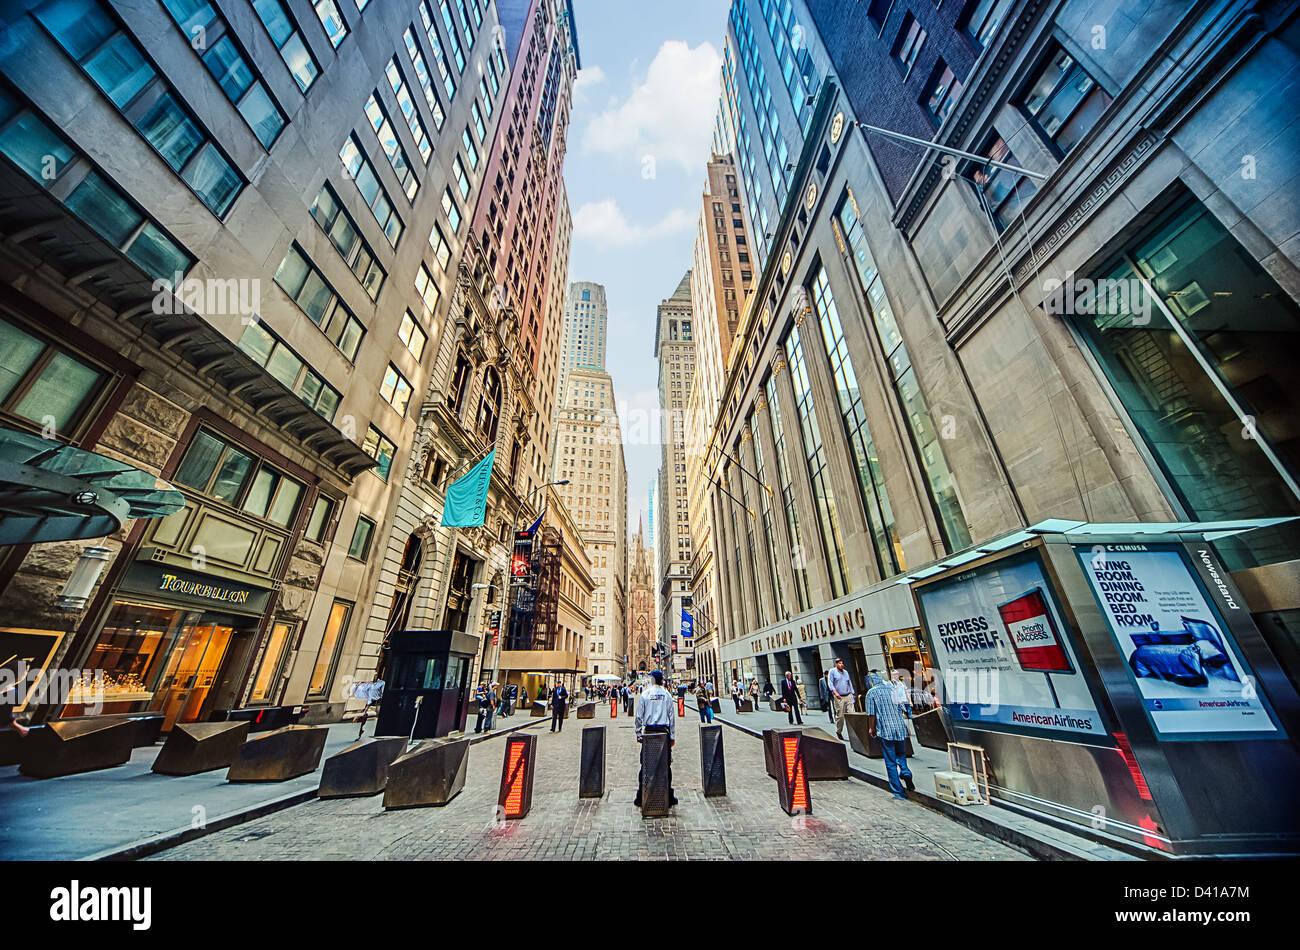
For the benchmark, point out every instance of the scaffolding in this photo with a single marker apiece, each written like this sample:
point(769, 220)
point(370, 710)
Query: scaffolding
point(535, 597)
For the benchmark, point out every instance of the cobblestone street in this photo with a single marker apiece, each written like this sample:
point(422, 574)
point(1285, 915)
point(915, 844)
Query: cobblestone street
point(850, 820)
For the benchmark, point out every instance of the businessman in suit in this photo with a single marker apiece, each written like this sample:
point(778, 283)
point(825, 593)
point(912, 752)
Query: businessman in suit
point(790, 694)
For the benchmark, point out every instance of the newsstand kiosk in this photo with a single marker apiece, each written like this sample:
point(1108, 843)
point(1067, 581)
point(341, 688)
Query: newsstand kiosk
point(1116, 681)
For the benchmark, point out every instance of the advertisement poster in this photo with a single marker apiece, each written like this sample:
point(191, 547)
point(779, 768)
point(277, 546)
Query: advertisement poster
point(1186, 666)
point(1003, 655)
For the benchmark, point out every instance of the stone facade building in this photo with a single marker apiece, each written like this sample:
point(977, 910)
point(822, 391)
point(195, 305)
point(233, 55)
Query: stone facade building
point(239, 285)
point(589, 455)
point(924, 369)
point(675, 350)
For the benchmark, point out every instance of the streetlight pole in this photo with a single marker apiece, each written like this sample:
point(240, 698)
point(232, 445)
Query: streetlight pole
point(508, 611)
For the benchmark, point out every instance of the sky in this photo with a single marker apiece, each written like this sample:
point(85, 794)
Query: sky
point(639, 139)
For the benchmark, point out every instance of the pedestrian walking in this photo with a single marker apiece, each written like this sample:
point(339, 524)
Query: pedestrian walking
point(840, 685)
point(753, 693)
point(655, 714)
point(736, 693)
point(483, 696)
point(824, 694)
point(887, 722)
point(559, 706)
point(790, 695)
point(703, 703)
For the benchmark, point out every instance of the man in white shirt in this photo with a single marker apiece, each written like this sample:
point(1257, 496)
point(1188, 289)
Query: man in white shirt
point(656, 712)
point(841, 690)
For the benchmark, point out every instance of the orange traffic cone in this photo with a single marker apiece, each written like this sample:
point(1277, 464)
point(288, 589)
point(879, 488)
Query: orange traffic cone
point(613, 709)
point(681, 706)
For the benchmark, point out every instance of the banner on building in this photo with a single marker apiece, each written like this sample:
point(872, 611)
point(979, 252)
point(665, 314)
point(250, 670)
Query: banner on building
point(1187, 668)
point(1001, 646)
point(466, 505)
point(688, 625)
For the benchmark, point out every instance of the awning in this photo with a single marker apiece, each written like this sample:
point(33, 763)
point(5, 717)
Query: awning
point(50, 491)
point(1081, 531)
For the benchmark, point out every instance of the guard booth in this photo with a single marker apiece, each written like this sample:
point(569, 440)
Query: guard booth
point(1115, 680)
point(431, 666)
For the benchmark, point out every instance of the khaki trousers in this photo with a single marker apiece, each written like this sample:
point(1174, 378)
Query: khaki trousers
point(843, 706)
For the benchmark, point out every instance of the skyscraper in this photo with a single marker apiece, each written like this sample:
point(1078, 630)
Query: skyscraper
point(675, 349)
point(582, 338)
point(585, 320)
point(720, 287)
point(230, 266)
point(516, 215)
point(589, 453)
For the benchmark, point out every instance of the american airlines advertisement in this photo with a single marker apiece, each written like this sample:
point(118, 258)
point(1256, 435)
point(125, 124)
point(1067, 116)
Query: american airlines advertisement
point(1003, 654)
point(1192, 680)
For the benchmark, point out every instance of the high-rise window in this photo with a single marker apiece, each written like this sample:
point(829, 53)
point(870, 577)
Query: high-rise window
point(1204, 373)
point(307, 287)
point(423, 77)
point(815, 453)
point(288, 40)
point(907, 46)
point(1002, 192)
point(941, 92)
point(327, 12)
point(915, 409)
point(233, 71)
point(981, 19)
point(412, 336)
point(286, 366)
point(435, 43)
point(363, 175)
point(799, 553)
point(1063, 101)
point(380, 448)
point(395, 390)
point(866, 461)
point(768, 540)
point(118, 66)
point(43, 155)
point(409, 112)
point(392, 146)
point(343, 233)
point(43, 384)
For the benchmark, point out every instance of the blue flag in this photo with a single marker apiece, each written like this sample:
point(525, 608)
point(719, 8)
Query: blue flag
point(532, 529)
point(466, 505)
point(688, 625)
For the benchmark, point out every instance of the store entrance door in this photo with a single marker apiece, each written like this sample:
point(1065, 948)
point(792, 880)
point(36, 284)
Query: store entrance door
point(198, 663)
point(858, 673)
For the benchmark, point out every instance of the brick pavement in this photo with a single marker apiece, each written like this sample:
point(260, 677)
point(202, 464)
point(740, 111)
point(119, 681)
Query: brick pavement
point(850, 820)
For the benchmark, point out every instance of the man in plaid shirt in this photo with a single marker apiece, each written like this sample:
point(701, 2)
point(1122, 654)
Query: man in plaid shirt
point(887, 721)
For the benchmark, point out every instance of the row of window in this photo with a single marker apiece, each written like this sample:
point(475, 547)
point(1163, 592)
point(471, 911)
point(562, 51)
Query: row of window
point(33, 145)
point(111, 59)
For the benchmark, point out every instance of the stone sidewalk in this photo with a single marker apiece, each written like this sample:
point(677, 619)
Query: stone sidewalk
point(78, 816)
point(1003, 823)
point(851, 820)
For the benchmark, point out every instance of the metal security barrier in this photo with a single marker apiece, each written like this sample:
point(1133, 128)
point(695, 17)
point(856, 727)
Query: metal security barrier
point(713, 772)
point(656, 782)
point(516, 796)
point(591, 773)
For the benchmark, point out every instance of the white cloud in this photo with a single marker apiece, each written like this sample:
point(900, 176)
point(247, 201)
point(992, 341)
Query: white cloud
point(603, 222)
point(587, 77)
point(669, 115)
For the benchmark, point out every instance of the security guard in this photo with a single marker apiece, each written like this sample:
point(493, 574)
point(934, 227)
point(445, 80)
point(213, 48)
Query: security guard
point(656, 712)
